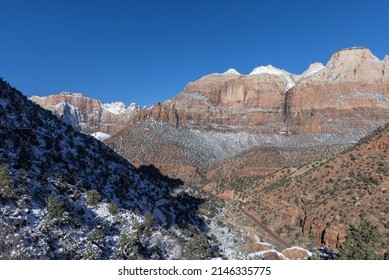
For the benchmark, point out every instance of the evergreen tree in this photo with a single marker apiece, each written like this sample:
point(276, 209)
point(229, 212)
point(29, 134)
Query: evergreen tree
point(149, 220)
point(113, 208)
point(364, 241)
point(197, 248)
point(130, 245)
point(54, 207)
point(6, 183)
point(93, 197)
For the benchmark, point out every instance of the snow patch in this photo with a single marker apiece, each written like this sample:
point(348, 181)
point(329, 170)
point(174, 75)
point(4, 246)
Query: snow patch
point(103, 212)
point(231, 71)
point(115, 108)
point(100, 135)
point(268, 69)
point(134, 107)
point(312, 70)
point(271, 70)
point(260, 254)
point(118, 108)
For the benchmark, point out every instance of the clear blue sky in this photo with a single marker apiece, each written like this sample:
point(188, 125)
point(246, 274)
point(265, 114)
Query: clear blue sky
point(147, 51)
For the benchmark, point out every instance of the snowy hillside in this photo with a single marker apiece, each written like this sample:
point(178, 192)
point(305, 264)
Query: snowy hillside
point(65, 195)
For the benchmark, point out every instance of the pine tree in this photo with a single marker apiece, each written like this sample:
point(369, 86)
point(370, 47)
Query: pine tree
point(149, 220)
point(197, 248)
point(364, 241)
point(54, 207)
point(113, 208)
point(93, 197)
point(6, 183)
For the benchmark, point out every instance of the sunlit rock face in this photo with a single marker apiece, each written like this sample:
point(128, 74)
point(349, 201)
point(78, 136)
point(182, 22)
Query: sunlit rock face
point(350, 93)
point(89, 115)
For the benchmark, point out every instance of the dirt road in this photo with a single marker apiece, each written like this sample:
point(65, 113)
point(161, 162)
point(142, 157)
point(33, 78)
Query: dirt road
point(281, 244)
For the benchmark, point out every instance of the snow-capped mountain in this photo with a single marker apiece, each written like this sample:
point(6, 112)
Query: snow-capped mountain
point(88, 115)
point(348, 94)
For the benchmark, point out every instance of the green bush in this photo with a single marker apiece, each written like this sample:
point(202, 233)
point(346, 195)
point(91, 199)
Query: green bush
point(54, 207)
point(91, 253)
point(129, 246)
point(197, 248)
point(97, 237)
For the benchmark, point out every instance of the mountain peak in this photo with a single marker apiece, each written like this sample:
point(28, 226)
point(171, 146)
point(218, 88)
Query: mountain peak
point(268, 69)
point(312, 69)
point(68, 93)
point(116, 108)
point(231, 71)
point(354, 55)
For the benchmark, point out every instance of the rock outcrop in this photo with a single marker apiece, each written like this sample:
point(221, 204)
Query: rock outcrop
point(87, 114)
point(349, 94)
point(228, 102)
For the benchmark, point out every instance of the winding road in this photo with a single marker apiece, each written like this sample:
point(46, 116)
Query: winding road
point(282, 244)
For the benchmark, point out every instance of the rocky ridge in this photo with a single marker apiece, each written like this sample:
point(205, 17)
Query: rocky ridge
point(349, 94)
point(313, 202)
point(88, 115)
point(334, 104)
point(66, 195)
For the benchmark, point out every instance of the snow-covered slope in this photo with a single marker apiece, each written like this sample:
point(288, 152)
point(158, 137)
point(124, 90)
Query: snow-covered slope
point(72, 197)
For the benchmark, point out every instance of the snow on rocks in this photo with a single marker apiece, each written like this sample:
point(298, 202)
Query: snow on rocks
point(100, 135)
point(268, 69)
point(115, 108)
point(118, 108)
point(312, 70)
point(271, 70)
point(270, 254)
point(231, 71)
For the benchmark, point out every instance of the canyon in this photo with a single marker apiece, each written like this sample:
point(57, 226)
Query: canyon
point(275, 144)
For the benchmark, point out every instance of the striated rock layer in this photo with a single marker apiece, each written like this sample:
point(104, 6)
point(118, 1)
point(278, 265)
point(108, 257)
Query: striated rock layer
point(87, 114)
point(350, 93)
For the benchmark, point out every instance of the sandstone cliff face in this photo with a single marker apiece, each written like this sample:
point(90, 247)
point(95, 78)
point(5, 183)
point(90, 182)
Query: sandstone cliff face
point(351, 93)
point(347, 96)
point(228, 102)
point(87, 114)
